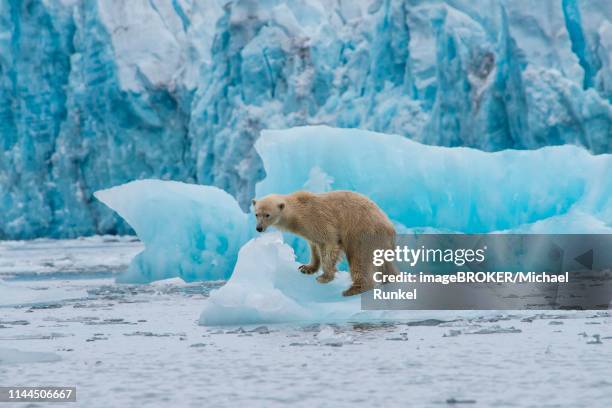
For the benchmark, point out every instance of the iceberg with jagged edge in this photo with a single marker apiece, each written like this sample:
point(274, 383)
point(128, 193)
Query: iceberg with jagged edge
point(195, 232)
point(189, 231)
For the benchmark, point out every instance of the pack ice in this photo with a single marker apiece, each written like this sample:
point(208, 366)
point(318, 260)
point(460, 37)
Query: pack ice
point(195, 232)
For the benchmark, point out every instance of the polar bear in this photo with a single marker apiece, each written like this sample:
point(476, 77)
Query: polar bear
point(332, 223)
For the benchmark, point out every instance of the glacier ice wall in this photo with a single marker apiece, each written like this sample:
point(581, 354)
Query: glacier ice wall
point(98, 93)
point(195, 232)
point(71, 121)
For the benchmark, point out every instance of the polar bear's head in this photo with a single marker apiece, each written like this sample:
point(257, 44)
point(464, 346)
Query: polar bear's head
point(268, 211)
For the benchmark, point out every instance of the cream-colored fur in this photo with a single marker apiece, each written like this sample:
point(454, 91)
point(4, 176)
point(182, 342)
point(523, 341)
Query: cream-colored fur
point(333, 223)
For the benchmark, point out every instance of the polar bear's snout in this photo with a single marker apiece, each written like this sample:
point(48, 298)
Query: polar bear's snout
point(267, 212)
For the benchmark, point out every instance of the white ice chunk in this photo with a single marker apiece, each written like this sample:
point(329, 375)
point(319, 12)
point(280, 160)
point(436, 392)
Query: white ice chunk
point(266, 287)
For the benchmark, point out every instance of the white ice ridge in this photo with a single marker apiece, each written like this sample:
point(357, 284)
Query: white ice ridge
point(195, 232)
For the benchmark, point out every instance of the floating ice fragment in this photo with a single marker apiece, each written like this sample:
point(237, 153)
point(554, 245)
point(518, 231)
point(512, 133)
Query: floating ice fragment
point(190, 231)
point(266, 287)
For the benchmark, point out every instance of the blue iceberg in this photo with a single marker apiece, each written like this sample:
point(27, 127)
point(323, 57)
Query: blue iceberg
point(189, 231)
point(552, 189)
point(195, 232)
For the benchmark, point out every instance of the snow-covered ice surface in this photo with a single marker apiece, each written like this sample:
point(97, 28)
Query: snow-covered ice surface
point(141, 345)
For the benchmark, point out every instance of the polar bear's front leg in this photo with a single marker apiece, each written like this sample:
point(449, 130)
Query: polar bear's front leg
point(315, 260)
point(330, 255)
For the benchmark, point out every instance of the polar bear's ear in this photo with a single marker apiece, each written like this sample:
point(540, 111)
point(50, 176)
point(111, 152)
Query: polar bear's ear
point(281, 206)
point(253, 201)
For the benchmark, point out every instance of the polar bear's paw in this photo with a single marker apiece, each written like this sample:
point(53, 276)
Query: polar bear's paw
point(307, 269)
point(325, 278)
point(354, 290)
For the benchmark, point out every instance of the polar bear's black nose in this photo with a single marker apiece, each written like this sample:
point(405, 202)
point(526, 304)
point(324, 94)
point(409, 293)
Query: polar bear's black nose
point(259, 229)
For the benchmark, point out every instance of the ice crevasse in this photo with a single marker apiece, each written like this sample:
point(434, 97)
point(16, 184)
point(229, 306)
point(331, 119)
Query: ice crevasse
point(199, 232)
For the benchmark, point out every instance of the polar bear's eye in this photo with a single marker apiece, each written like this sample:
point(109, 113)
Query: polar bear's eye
point(267, 215)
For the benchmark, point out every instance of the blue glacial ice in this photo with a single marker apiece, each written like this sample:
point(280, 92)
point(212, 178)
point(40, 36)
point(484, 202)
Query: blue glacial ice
point(189, 231)
point(195, 232)
point(180, 90)
point(454, 189)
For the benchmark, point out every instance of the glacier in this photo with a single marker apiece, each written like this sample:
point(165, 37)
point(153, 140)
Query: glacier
point(196, 232)
point(94, 94)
